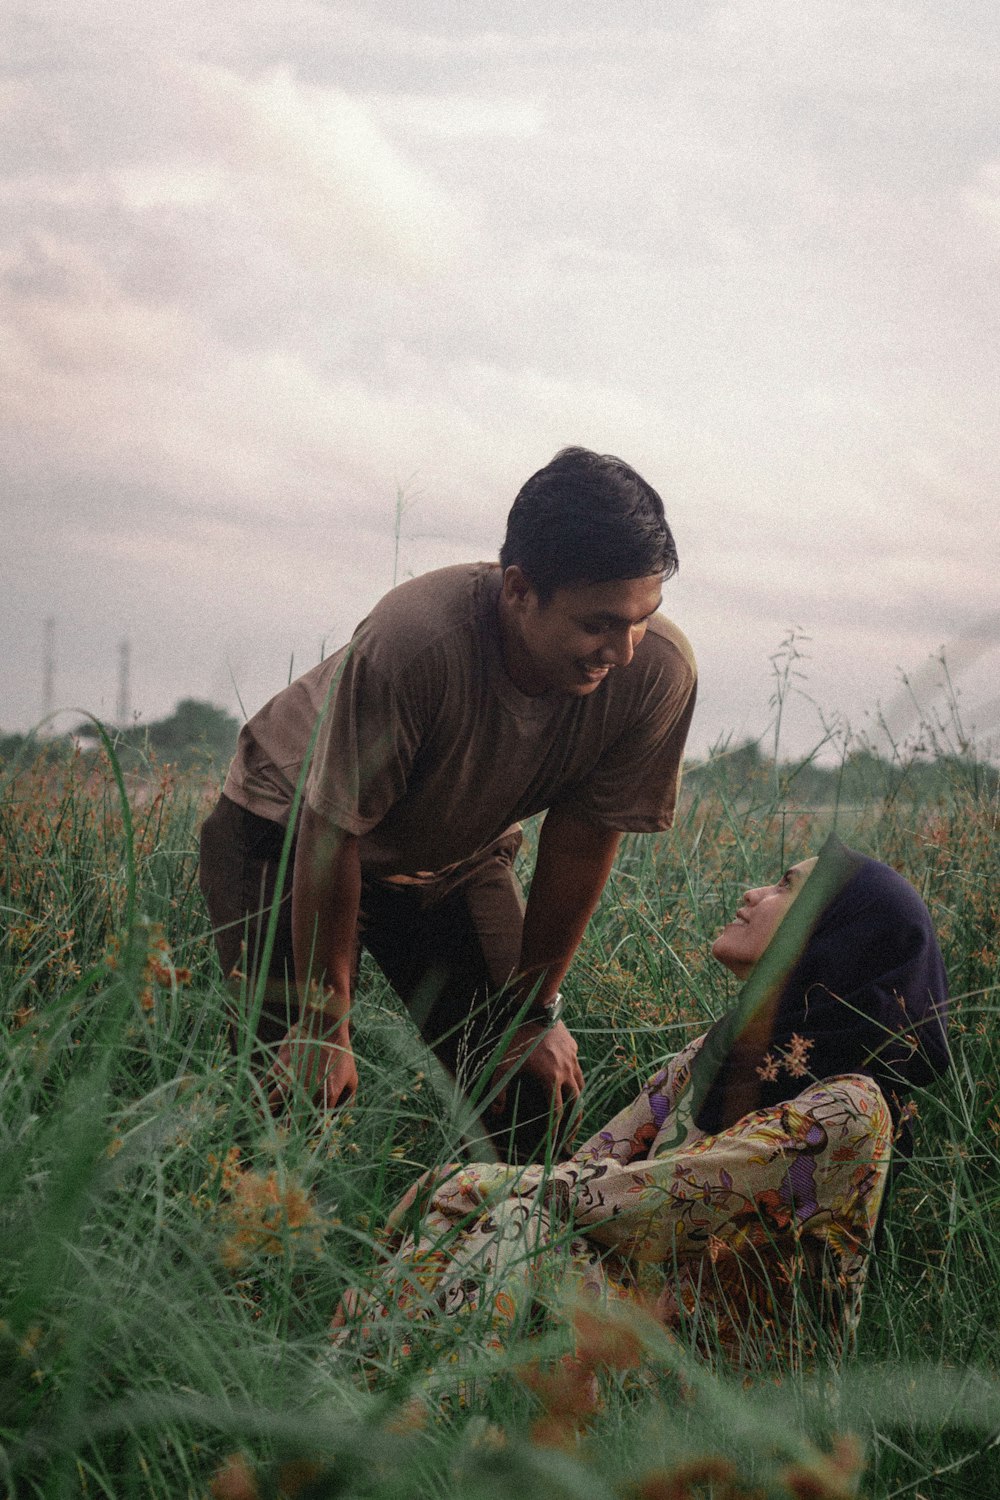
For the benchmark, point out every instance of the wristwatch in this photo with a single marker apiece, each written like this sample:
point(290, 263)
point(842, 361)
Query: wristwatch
point(545, 1013)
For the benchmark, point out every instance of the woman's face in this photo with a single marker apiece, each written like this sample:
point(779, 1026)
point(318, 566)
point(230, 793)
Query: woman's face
point(743, 940)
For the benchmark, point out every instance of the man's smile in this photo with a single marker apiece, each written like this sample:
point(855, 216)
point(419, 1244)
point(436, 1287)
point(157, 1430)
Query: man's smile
point(595, 673)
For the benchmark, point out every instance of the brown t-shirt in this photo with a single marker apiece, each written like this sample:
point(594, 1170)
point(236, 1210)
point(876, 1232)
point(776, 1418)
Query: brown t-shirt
point(428, 752)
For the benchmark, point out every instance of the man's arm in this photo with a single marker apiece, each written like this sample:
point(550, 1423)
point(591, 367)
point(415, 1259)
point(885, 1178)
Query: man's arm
point(571, 870)
point(572, 867)
point(326, 897)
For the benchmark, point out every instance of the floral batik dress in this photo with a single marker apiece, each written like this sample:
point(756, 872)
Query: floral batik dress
point(749, 1245)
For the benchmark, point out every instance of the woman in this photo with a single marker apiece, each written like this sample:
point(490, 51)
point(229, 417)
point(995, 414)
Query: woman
point(739, 1194)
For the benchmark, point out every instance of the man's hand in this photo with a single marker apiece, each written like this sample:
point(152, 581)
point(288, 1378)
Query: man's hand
point(326, 891)
point(550, 1055)
point(319, 1058)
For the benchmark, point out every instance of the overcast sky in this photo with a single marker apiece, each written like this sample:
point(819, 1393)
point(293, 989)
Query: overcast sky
point(265, 266)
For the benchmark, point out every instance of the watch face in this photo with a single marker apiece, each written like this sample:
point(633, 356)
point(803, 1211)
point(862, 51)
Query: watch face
point(540, 1014)
point(550, 1013)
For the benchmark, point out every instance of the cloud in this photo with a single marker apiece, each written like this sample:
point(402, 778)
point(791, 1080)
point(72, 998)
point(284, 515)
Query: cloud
point(452, 117)
point(124, 353)
point(982, 200)
point(254, 277)
point(310, 164)
point(298, 165)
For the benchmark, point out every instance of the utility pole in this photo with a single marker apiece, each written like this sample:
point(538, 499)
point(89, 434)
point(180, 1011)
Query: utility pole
point(49, 667)
point(124, 710)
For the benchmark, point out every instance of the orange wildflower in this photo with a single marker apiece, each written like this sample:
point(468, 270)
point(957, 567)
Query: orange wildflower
point(234, 1481)
point(569, 1396)
point(605, 1341)
point(265, 1215)
point(685, 1480)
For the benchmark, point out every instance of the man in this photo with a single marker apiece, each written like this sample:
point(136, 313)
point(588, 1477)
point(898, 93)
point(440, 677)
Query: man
point(469, 699)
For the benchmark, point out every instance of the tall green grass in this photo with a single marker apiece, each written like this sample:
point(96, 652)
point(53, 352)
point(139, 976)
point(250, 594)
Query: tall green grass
point(171, 1255)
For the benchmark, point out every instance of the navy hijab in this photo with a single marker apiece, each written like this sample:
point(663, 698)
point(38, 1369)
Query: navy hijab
point(865, 985)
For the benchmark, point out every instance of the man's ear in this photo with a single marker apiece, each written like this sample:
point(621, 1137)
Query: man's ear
point(516, 587)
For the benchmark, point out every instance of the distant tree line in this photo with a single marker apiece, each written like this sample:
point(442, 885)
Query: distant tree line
point(861, 775)
point(196, 733)
point(201, 734)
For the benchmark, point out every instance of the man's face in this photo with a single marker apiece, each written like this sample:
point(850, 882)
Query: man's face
point(571, 643)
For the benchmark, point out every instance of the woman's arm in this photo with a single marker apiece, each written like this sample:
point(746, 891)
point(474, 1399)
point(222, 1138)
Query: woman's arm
point(631, 1134)
point(825, 1154)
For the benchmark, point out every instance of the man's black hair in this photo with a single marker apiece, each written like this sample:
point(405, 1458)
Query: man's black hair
point(587, 518)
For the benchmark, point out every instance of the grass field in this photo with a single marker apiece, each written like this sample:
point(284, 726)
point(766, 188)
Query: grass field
point(171, 1255)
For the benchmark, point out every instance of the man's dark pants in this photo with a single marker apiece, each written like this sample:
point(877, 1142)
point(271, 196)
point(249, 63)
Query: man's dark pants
point(447, 947)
